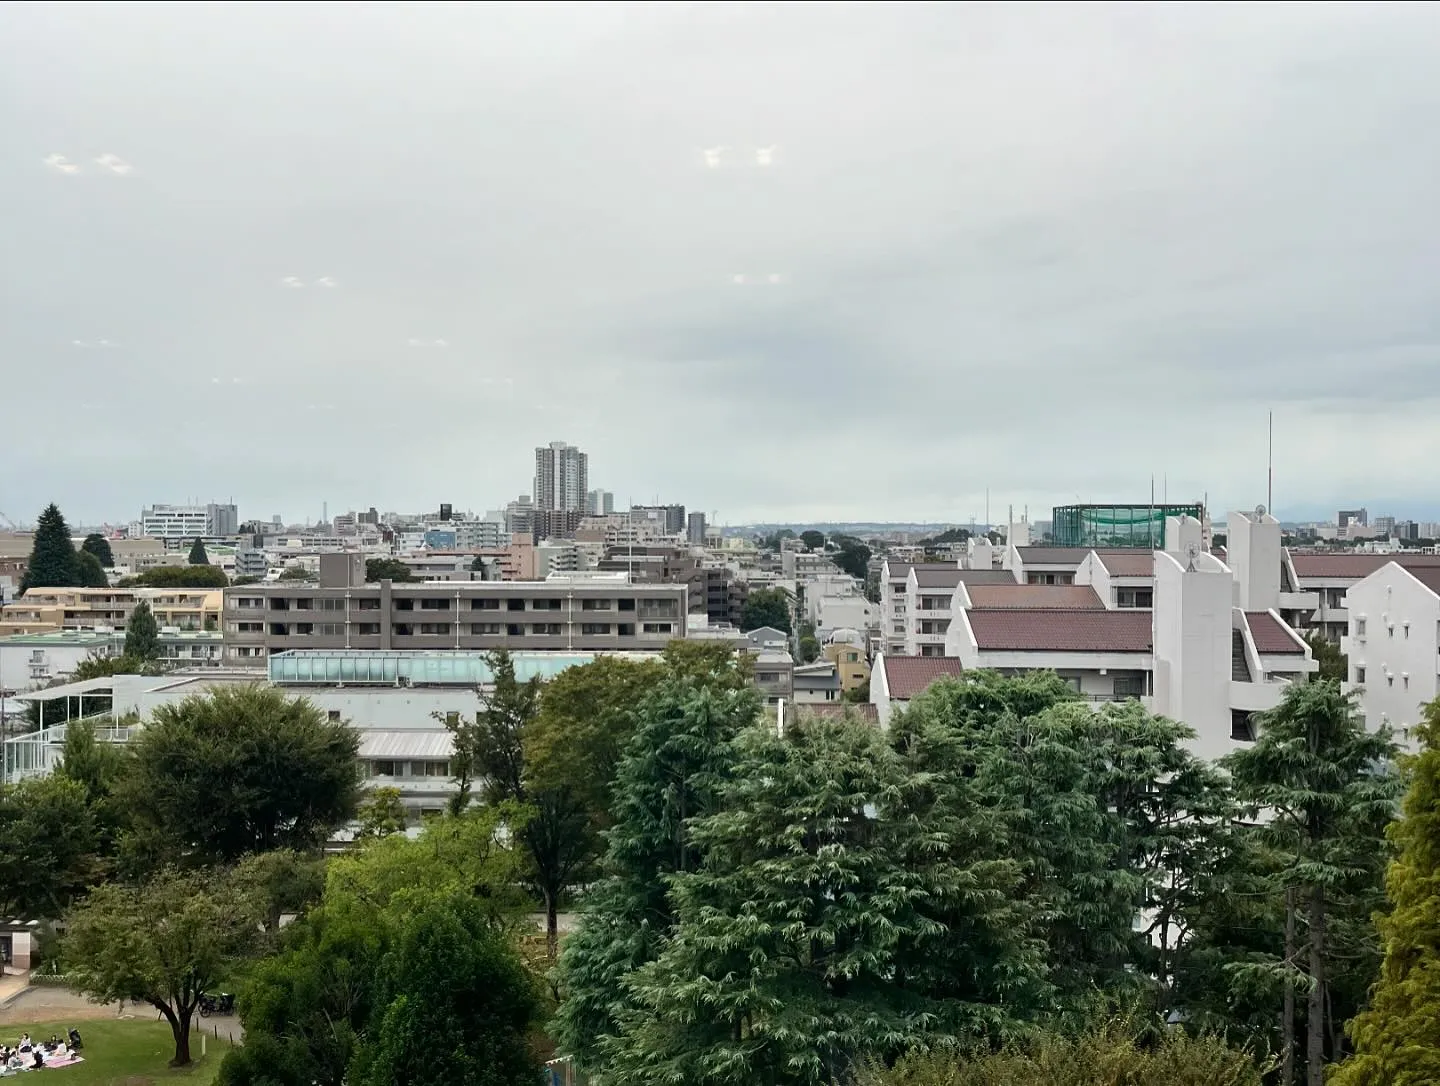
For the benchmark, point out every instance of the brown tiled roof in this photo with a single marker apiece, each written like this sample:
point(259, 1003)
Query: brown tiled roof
point(906, 676)
point(926, 577)
point(1133, 564)
point(1337, 565)
point(1061, 631)
point(1035, 597)
point(864, 711)
point(1052, 556)
point(988, 576)
point(1429, 576)
point(1273, 637)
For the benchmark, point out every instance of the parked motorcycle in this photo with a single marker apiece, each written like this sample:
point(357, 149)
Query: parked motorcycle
point(221, 1003)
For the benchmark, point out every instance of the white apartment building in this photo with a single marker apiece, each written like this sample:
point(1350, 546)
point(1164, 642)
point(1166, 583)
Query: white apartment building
point(174, 522)
point(1393, 643)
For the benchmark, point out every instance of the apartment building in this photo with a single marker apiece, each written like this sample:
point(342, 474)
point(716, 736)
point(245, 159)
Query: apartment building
point(31, 660)
point(49, 609)
point(897, 679)
point(1392, 643)
point(1331, 575)
point(565, 612)
point(562, 475)
point(929, 603)
point(175, 522)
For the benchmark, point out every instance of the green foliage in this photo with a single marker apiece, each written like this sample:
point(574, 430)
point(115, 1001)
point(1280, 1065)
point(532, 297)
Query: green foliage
point(1326, 784)
point(852, 556)
point(387, 569)
point(948, 536)
point(812, 539)
point(712, 664)
point(773, 541)
point(163, 942)
point(47, 846)
point(103, 667)
point(1333, 663)
point(142, 634)
point(52, 555)
point(455, 1005)
point(671, 770)
point(198, 557)
point(97, 768)
point(1110, 1054)
point(88, 572)
point(1395, 1039)
point(285, 883)
point(381, 814)
point(809, 646)
point(238, 770)
point(766, 607)
point(179, 577)
point(99, 546)
point(857, 695)
point(296, 573)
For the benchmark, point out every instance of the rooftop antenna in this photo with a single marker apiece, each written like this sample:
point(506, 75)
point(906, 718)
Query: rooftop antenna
point(1270, 468)
point(987, 508)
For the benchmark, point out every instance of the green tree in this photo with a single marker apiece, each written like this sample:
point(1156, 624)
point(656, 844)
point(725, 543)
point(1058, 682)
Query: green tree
point(1117, 1052)
point(812, 539)
point(198, 557)
point(296, 573)
point(712, 664)
point(852, 556)
point(857, 695)
point(178, 577)
point(238, 770)
point(285, 882)
point(670, 772)
point(455, 1005)
point(47, 846)
point(808, 645)
point(89, 574)
point(1326, 783)
point(97, 768)
point(99, 546)
point(52, 556)
point(103, 667)
point(163, 942)
point(381, 814)
point(766, 607)
point(477, 566)
point(387, 569)
point(1395, 1039)
point(1333, 663)
point(142, 634)
point(811, 937)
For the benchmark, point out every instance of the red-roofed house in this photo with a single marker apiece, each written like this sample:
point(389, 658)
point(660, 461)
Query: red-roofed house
point(896, 679)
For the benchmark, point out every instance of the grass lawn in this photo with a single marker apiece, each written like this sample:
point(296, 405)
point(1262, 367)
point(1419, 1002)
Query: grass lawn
point(119, 1052)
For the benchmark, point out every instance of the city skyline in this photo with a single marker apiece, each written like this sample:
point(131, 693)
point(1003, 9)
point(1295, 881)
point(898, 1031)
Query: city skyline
point(709, 244)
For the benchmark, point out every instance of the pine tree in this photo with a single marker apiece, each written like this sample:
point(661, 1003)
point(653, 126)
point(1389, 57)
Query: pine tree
point(198, 557)
point(1396, 1042)
point(99, 546)
point(1324, 784)
point(671, 771)
point(142, 634)
point(52, 557)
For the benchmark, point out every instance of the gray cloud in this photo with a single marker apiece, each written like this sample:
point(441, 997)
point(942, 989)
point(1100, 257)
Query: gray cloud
point(1047, 250)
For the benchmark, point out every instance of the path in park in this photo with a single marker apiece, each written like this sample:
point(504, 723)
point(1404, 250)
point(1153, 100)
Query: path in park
point(45, 1004)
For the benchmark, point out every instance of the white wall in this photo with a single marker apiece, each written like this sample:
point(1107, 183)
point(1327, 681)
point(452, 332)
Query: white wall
point(1193, 626)
point(1253, 554)
point(59, 662)
point(1400, 665)
point(1092, 571)
point(1182, 532)
point(837, 612)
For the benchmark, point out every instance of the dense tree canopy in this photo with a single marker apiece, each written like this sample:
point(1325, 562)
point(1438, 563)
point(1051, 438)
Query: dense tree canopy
point(88, 571)
point(766, 607)
point(186, 576)
point(99, 546)
point(47, 846)
point(53, 563)
point(261, 771)
point(198, 557)
point(387, 569)
point(812, 539)
point(1397, 1040)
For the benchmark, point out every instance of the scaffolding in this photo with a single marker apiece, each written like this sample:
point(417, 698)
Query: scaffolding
point(1140, 526)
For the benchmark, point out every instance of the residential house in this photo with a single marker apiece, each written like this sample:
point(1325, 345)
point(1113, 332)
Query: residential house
point(897, 679)
point(1393, 643)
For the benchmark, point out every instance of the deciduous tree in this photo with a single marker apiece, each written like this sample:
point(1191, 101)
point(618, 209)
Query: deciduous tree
point(99, 546)
point(812, 539)
point(47, 846)
point(241, 769)
point(179, 577)
point(766, 607)
point(387, 569)
point(165, 942)
point(381, 814)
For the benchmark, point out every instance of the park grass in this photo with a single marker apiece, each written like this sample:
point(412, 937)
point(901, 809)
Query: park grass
point(120, 1052)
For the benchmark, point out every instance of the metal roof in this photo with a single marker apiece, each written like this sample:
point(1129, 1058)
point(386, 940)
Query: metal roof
point(424, 668)
point(418, 743)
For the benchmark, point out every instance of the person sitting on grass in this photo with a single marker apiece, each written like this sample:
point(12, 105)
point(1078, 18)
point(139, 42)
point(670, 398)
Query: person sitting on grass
point(76, 1044)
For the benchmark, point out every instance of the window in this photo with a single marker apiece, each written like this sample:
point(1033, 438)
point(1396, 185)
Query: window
point(435, 628)
point(545, 605)
point(383, 768)
point(1405, 679)
point(597, 605)
point(367, 629)
point(332, 629)
point(402, 629)
point(1360, 674)
point(304, 604)
point(627, 605)
point(626, 629)
point(595, 629)
point(1129, 686)
point(1389, 680)
point(437, 769)
point(334, 716)
point(304, 628)
point(404, 605)
point(367, 605)
point(332, 605)
point(658, 627)
point(486, 629)
point(514, 605)
point(452, 718)
point(1407, 631)
point(434, 605)
point(548, 629)
point(485, 605)
point(1359, 627)
point(279, 629)
point(851, 657)
point(514, 629)
point(1242, 726)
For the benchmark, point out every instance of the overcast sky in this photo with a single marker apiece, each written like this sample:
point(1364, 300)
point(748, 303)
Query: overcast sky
point(1044, 249)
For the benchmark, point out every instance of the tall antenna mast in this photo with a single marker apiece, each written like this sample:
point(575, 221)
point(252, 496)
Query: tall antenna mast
point(1270, 470)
